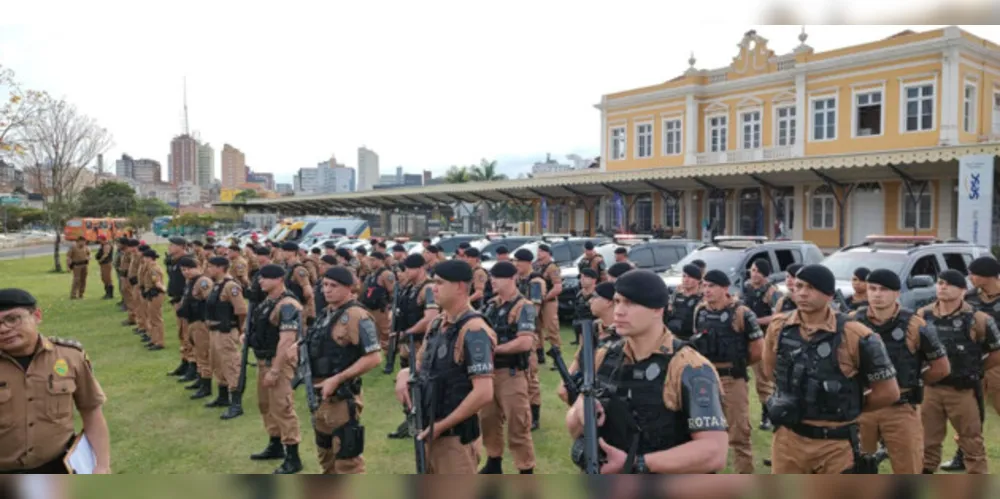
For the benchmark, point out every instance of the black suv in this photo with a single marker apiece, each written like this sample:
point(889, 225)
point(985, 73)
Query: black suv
point(735, 254)
point(917, 260)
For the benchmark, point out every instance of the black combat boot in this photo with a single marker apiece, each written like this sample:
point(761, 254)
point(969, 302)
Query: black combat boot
point(541, 355)
point(109, 293)
point(529, 471)
point(235, 408)
point(181, 369)
point(204, 389)
point(957, 463)
point(765, 422)
point(494, 466)
point(190, 374)
point(222, 399)
point(536, 416)
point(194, 386)
point(292, 463)
point(274, 450)
point(145, 338)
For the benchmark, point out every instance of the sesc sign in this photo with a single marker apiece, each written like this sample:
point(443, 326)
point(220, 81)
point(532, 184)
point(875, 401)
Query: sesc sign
point(975, 199)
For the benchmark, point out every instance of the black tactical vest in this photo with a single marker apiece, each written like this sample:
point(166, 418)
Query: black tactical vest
point(992, 308)
point(326, 357)
point(965, 355)
point(219, 312)
point(788, 305)
point(681, 320)
point(444, 383)
point(754, 299)
point(893, 334)
point(264, 336)
point(176, 282)
point(506, 331)
point(640, 386)
point(716, 338)
point(540, 272)
point(487, 291)
point(374, 296)
point(194, 310)
point(809, 372)
point(292, 285)
point(856, 305)
point(105, 259)
point(410, 309)
point(319, 299)
point(581, 307)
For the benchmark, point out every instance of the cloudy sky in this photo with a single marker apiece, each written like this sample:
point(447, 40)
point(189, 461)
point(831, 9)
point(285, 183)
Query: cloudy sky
point(425, 84)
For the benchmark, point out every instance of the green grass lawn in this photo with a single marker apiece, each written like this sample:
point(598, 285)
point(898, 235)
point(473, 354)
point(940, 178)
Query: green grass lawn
point(155, 428)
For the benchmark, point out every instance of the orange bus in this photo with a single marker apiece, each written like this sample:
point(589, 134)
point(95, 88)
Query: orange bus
point(91, 228)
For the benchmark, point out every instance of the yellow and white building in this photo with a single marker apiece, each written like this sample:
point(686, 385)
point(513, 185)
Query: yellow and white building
point(877, 128)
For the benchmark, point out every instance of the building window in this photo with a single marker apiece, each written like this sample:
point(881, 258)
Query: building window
point(919, 107)
point(671, 212)
point(750, 128)
point(823, 206)
point(644, 140)
point(868, 113)
point(969, 109)
point(618, 142)
point(717, 128)
point(786, 126)
point(671, 137)
point(644, 213)
point(825, 119)
point(918, 211)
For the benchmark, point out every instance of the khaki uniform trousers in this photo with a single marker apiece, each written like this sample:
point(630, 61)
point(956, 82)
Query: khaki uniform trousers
point(154, 318)
point(199, 334)
point(764, 388)
point(550, 323)
point(106, 275)
point(382, 323)
point(736, 407)
point(792, 453)
point(448, 456)
point(941, 405)
point(79, 281)
point(277, 405)
point(510, 405)
point(139, 303)
point(226, 357)
point(991, 387)
point(184, 337)
point(331, 415)
point(128, 296)
point(903, 431)
point(534, 385)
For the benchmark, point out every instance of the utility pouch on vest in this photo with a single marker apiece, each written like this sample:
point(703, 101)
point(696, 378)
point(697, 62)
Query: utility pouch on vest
point(352, 434)
point(783, 410)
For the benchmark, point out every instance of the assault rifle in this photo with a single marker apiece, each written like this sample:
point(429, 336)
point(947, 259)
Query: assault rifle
point(303, 373)
point(841, 302)
point(417, 420)
point(390, 359)
point(572, 385)
point(241, 382)
point(587, 389)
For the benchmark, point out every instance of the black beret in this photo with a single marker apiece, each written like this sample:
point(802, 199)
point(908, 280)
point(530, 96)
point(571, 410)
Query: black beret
point(272, 271)
point(953, 277)
point(545, 248)
point(235, 247)
point(433, 249)
point(315, 251)
point(464, 245)
point(589, 272)
point(343, 253)
point(985, 266)
point(606, 290)
point(503, 270)
point(699, 263)
point(209, 246)
point(210, 240)
point(717, 277)
point(861, 273)
point(885, 278)
point(178, 240)
point(621, 251)
point(339, 275)
point(328, 259)
point(472, 253)
point(133, 243)
point(414, 262)
point(250, 245)
point(378, 255)
point(150, 253)
point(453, 271)
point(262, 251)
point(693, 271)
point(793, 269)
point(643, 287)
point(399, 247)
point(187, 262)
point(14, 298)
point(198, 243)
point(361, 251)
point(589, 245)
point(143, 247)
point(123, 240)
point(523, 255)
point(502, 250)
point(763, 266)
point(219, 261)
point(618, 269)
point(330, 245)
point(818, 277)
point(289, 246)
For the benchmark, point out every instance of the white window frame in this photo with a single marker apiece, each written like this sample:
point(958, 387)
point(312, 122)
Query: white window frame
point(969, 110)
point(677, 132)
point(708, 132)
point(813, 196)
point(854, 111)
point(639, 139)
point(612, 139)
point(666, 200)
point(903, 100)
point(812, 116)
point(904, 197)
point(793, 124)
point(995, 106)
point(760, 127)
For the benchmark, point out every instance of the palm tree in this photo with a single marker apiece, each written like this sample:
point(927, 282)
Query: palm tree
point(486, 171)
point(457, 175)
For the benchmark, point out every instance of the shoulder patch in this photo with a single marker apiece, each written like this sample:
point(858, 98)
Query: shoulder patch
point(205, 285)
point(67, 343)
point(235, 291)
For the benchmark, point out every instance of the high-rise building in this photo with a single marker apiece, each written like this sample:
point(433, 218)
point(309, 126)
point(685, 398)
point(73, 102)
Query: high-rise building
point(142, 170)
point(305, 181)
point(265, 179)
point(234, 167)
point(367, 169)
point(183, 159)
point(206, 165)
point(285, 188)
point(125, 167)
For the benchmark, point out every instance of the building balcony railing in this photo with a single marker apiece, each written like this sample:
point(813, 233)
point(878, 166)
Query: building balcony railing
point(744, 155)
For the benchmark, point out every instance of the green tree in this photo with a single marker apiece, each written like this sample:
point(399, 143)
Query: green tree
point(244, 195)
point(457, 175)
point(110, 199)
point(153, 207)
point(485, 171)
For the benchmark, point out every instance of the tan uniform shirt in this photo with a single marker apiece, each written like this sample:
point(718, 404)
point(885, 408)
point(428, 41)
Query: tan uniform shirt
point(78, 255)
point(232, 293)
point(201, 289)
point(551, 273)
point(474, 324)
point(36, 407)
point(288, 333)
point(153, 277)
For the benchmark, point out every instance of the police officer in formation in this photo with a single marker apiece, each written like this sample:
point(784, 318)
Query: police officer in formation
point(581, 312)
point(297, 280)
point(513, 317)
point(602, 308)
point(727, 334)
point(919, 358)
point(859, 281)
point(105, 257)
point(592, 260)
point(668, 399)
point(828, 369)
point(226, 312)
point(194, 308)
point(176, 286)
point(77, 259)
point(481, 290)
point(532, 286)
point(319, 300)
point(377, 294)
point(761, 296)
point(680, 310)
point(153, 293)
point(343, 345)
point(454, 374)
point(546, 267)
point(786, 303)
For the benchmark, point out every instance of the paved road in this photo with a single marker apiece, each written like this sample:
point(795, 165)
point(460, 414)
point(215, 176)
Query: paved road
point(29, 251)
